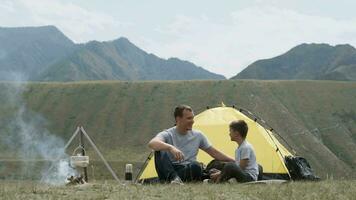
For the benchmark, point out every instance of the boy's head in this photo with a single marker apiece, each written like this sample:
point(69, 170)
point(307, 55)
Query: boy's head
point(238, 130)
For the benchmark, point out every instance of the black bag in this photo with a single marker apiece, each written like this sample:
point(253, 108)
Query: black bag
point(299, 168)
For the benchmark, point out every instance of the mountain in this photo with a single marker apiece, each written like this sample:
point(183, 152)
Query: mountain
point(308, 62)
point(30, 50)
point(46, 54)
point(121, 60)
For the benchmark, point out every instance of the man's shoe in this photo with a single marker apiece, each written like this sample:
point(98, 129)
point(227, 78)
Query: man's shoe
point(177, 181)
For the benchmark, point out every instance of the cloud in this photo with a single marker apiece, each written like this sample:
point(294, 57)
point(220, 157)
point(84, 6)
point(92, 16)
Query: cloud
point(78, 23)
point(7, 6)
point(247, 35)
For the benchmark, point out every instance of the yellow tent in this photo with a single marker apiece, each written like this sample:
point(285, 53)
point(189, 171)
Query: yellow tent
point(214, 123)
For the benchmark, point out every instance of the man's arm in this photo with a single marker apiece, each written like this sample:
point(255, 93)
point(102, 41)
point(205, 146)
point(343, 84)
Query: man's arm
point(218, 155)
point(157, 144)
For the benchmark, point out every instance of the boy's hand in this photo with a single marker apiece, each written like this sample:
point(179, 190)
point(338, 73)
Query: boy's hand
point(215, 176)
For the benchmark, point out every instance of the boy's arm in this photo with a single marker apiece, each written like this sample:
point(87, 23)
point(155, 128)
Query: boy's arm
point(243, 163)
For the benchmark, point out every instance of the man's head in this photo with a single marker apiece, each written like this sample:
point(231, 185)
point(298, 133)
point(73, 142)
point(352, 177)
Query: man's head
point(238, 130)
point(184, 117)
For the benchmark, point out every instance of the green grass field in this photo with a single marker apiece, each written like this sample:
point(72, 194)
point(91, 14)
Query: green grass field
point(326, 190)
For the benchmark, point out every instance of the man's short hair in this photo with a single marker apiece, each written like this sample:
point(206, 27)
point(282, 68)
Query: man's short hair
point(178, 111)
point(239, 126)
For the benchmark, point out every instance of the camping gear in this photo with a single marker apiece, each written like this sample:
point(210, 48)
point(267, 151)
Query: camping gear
point(300, 169)
point(214, 123)
point(79, 160)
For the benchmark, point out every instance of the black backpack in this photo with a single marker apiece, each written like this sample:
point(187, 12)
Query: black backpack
point(299, 168)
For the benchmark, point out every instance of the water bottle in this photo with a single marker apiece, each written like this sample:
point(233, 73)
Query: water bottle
point(128, 172)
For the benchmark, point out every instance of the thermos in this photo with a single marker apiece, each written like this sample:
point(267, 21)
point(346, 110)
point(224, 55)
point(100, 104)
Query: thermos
point(128, 172)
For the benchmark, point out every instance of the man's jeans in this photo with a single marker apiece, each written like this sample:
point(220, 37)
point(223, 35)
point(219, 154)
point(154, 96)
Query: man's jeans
point(167, 170)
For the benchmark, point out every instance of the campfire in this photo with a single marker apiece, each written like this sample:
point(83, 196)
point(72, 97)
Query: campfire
point(79, 160)
point(75, 180)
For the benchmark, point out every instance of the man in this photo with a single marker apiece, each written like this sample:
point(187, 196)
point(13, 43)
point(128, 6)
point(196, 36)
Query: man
point(245, 168)
point(176, 149)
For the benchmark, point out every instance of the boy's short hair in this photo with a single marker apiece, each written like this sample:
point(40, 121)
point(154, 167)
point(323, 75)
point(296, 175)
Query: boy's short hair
point(239, 126)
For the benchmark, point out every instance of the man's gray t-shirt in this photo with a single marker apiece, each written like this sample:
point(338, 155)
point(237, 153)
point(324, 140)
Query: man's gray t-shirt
point(188, 143)
point(245, 151)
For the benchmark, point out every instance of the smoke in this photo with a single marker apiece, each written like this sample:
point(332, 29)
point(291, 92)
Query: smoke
point(58, 174)
point(26, 137)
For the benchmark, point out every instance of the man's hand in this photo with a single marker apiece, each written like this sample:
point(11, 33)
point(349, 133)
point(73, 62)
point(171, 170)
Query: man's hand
point(178, 155)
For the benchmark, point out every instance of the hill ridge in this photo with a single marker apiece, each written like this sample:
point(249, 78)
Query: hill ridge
point(45, 54)
point(306, 61)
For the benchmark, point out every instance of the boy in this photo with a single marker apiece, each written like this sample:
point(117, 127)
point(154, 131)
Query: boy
point(245, 168)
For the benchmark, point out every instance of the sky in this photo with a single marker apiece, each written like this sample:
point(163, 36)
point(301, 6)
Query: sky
point(222, 36)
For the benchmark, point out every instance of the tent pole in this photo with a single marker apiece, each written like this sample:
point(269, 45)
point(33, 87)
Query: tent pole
point(149, 157)
point(264, 122)
point(277, 149)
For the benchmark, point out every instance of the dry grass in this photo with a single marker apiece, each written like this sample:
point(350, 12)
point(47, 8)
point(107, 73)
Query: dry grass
point(111, 190)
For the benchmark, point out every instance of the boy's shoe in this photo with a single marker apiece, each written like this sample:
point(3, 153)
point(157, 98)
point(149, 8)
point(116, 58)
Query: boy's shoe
point(232, 180)
point(177, 181)
point(207, 180)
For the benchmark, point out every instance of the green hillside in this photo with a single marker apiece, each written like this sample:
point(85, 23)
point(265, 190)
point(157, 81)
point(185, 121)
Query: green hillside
point(317, 118)
point(306, 62)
